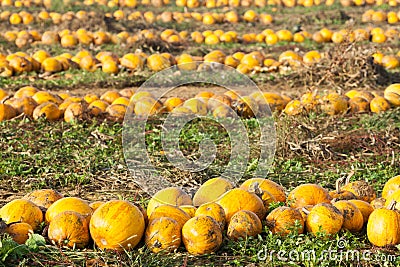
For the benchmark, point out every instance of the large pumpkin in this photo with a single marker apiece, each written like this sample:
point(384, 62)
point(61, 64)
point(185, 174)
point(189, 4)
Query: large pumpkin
point(170, 211)
point(22, 210)
point(211, 190)
point(383, 228)
point(69, 229)
point(307, 194)
point(68, 204)
point(239, 199)
point(163, 234)
point(391, 186)
point(243, 224)
point(201, 235)
point(43, 197)
point(117, 225)
point(284, 220)
point(324, 218)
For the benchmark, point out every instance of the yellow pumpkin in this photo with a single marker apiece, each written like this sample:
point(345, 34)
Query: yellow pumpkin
point(7, 112)
point(19, 231)
point(68, 204)
point(353, 219)
point(324, 218)
point(365, 208)
point(201, 235)
point(170, 211)
point(48, 110)
point(43, 197)
point(243, 224)
point(392, 94)
point(284, 220)
point(213, 210)
point(307, 194)
point(22, 210)
point(163, 234)
point(361, 189)
point(276, 190)
point(391, 186)
point(211, 190)
point(117, 225)
point(172, 195)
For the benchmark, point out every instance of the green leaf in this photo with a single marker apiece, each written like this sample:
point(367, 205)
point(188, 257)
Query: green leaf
point(35, 241)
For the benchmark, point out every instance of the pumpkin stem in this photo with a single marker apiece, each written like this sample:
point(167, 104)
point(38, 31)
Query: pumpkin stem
point(306, 211)
point(255, 188)
point(338, 183)
point(392, 205)
point(349, 176)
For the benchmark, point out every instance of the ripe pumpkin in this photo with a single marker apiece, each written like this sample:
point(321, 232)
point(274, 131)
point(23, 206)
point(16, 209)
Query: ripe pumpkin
point(365, 208)
point(395, 196)
point(170, 211)
point(309, 100)
point(293, 108)
point(95, 205)
point(43, 97)
point(391, 186)
point(43, 197)
point(359, 105)
point(69, 229)
point(19, 231)
point(110, 96)
point(383, 228)
point(379, 104)
point(276, 190)
point(215, 211)
point(211, 190)
point(283, 220)
point(333, 104)
point(157, 62)
point(353, 219)
point(109, 219)
point(392, 94)
point(308, 194)
point(163, 234)
point(172, 195)
point(196, 105)
point(48, 110)
point(243, 224)
point(7, 112)
point(240, 199)
point(22, 210)
point(26, 91)
point(117, 111)
point(337, 194)
point(246, 107)
point(378, 203)
point(68, 204)
point(326, 218)
point(201, 235)
point(361, 189)
point(24, 105)
point(146, 106)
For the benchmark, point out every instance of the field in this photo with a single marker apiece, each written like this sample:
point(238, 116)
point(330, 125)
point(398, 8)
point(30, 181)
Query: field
point(333, 133)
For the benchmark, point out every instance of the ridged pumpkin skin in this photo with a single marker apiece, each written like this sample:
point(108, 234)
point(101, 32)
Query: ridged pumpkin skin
point(201, 235)
point(22, 210)
point(19, 232)
point(308, 194)
point(353, 219)
point(172, 195)
point(243, 224)
point(383, 228)
point(215, 211)
point(43, 197)
point(365, 208)
point(239, 199)
point(163, 234)
point(283, 220)
point(276, 190)
point(211, 190)
point(324, 217)
point(189, 209)
point(391, 186)
point(393, 197)
point(68, 204)
point(69, 229)
point(117, 225)
point(361, 189)
point(170, 211)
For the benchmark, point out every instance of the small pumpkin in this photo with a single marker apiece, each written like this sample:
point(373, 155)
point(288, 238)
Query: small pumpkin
point(276, 190)
point(69, 229)
point(117, 225)
point(325, 218)
point(201, 235)
point(361, 189)
point(171, 195)
point(243, 224)
point(239, 199)
point(383, 228)
point(353, 219)
point(19, 231)
point(213, 210)
point(43, 197)
point(68, 204)
point(365, 208)
point(163, 234)
point(378, 203)
point(24, 105)
point(338, 194)
point(307, 194)
point(283, 221)
point(391, 186)
point(22, 210)
point(7, 112)
point(211, 190)
point(170, 211)
point(48, 110)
